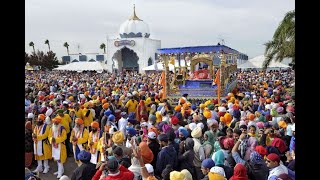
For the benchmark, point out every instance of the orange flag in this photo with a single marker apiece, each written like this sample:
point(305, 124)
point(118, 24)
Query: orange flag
point(162, 82)
point(217, 81)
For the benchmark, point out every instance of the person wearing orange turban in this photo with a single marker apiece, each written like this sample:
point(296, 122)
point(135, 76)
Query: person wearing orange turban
point(42, 150)
point(57, 137)
point(103, 101)
point(105, 106)
point(177, 108)
point(79, 138)
point(251, 117)
point(146, 153)
point(93, 140)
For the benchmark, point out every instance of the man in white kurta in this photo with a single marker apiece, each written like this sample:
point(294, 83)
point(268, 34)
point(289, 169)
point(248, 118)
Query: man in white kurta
point(79, 138)
point(57, 137)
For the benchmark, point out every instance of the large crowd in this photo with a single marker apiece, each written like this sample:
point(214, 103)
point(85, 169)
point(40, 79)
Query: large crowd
point(120, 126)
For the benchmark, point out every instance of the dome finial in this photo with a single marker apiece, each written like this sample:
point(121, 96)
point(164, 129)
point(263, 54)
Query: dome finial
point(134, 16)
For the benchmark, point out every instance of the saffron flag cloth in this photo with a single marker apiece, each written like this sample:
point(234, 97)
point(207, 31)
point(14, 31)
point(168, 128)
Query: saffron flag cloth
point(162, 82)
point(217, 82)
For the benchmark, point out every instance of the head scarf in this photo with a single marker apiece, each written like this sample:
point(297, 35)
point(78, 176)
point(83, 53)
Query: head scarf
point(239, 173)
point(218, 158)
point(146, 153)
point(261, 150)
point(215, 176)
point(210, 140)
point(280, 144)
point(176, 175)
point(251, 145)
point(187, 174)
point(256, 158)
point(28, 125)
point(218, 170)
point(272, 149)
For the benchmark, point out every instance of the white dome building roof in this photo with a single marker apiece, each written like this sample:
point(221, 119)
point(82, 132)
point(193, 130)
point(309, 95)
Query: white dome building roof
point(134, 27)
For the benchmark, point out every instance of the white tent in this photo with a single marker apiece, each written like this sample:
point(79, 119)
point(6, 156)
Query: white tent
point(83, 66)
point(160, 66)
point(257, 63)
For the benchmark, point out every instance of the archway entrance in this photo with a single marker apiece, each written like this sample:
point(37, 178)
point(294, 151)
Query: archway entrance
point(127, 60)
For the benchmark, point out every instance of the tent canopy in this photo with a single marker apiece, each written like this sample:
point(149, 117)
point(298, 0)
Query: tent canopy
point(160, 66)
point(83, 66)
point(257, 63)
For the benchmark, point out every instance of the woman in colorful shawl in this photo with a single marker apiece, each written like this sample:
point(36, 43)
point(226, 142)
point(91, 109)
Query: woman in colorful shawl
point(239, 172)
point(208, 144)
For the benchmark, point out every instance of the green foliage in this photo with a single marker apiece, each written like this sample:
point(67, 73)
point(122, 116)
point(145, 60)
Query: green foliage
point(46, 61)
point(282, 44)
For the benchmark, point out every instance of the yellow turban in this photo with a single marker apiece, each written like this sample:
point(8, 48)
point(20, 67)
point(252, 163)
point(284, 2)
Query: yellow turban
point(158, 116)
point(176, 175)
point(71, 98)
point(282, 124)
point(207, 114)
point(202, 106)
point(118, 137)
point(85, 105)
point(215, 176)
point(94, 97)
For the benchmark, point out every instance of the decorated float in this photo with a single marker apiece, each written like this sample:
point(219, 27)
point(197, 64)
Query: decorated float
point(208, 72)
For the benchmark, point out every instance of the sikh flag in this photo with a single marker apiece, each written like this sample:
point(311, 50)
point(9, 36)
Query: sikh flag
point(162, 79)
point(162, 82)
point(217, 81)
point(217, 78)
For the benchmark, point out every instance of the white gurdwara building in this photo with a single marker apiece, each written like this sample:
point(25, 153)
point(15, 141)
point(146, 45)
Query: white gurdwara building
point(134, 49)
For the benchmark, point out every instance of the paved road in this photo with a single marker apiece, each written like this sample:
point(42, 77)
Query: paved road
point(69, 167)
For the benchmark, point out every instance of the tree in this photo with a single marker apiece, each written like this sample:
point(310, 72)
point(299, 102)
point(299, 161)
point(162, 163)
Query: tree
point(32, 44)
point(103, 46)
point(49, 61)
point(26, 58)
point(66, 45)
point(282, 44)
point(47, 42)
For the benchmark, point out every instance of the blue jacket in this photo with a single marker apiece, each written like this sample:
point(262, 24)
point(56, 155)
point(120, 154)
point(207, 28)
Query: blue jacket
point(167, 155)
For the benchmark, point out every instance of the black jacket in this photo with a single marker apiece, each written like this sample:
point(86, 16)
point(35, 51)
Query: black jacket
point(185, 158)
point(257, 171)
point(167, 155)
point(85, 172)
point(155, 148)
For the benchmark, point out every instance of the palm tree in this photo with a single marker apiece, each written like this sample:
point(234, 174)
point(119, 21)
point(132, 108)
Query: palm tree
point(32, 44)
point(103, 46)
point(47, 42)
point(66, 45)
point(282, 44)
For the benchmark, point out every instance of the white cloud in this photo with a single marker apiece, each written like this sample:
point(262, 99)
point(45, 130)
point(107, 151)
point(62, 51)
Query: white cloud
point(245, 25)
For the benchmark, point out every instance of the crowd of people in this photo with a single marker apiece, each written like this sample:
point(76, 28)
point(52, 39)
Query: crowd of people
point(120, 126)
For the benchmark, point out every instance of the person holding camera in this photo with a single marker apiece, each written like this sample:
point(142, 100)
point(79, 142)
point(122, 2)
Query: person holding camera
point(86, 170)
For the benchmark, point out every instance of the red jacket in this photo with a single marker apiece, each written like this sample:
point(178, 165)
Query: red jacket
point(124, 174)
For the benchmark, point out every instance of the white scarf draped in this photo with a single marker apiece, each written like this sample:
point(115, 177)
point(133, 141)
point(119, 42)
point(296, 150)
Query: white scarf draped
point(37, 147)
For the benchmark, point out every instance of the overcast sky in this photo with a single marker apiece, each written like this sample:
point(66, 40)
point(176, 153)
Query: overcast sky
point(245, 25)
